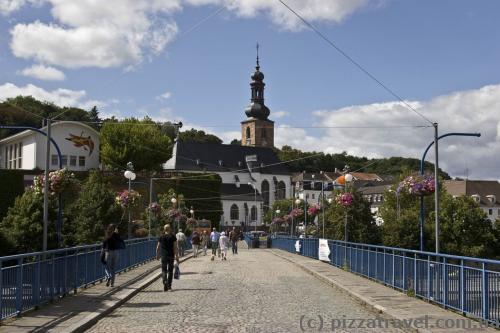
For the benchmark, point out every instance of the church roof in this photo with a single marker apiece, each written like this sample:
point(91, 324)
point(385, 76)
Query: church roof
point(213, 157)
point(243, 193)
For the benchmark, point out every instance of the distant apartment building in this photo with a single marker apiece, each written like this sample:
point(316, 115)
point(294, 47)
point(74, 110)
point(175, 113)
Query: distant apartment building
point(485, 192)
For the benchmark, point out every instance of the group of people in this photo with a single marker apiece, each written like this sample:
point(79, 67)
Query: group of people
point(169, 248)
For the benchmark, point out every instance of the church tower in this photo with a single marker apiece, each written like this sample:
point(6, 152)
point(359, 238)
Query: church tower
point(257, 130)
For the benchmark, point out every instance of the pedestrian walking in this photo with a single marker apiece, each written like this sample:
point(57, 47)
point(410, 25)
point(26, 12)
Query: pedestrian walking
point(181, 242)
point(166, 249)
point(223, 244)
point(234, 236)
point(204, 242)
point(195, 242)
point(110, 246)
point(214, 240)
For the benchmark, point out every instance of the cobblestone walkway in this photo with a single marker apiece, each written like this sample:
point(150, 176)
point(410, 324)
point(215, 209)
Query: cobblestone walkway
point(254, 291)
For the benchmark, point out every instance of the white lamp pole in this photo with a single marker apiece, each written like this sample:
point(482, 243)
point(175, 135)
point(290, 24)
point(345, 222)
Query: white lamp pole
point(174, 201)
point(130, 175)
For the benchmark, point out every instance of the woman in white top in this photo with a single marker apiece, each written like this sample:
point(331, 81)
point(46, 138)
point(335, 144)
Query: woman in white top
point(223, 245)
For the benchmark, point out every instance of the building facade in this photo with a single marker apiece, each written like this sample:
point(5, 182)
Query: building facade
point(485, 192)
point(79, 145)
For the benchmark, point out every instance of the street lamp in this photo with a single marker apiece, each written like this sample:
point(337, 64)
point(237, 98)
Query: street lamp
point(436, 194)
point(174, 201)
point(347, 179)
point(297, 202)
point(130, 175)
point(255, 204)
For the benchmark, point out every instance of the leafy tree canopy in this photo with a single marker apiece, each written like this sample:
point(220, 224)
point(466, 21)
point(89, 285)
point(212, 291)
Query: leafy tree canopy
point(138, 141)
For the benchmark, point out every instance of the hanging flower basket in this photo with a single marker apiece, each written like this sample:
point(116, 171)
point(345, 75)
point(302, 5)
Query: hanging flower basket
point(287, 218)
point(155, 208)
point(417, 185)
point(128, 198)
point(297, 212)
point(277, 221)
point(173, 213)
point(313, 210)
point(59, 180)
point(345, 199)
point(191, 221)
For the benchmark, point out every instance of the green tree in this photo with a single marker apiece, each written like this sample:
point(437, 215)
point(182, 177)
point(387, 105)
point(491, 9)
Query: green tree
point(361, 226)
point(94, 210)
point(23, 225)
point(194, 135)
point(464, 228)
point(132, 140)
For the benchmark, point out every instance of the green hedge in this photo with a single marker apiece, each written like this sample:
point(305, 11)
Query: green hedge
point(11, 186)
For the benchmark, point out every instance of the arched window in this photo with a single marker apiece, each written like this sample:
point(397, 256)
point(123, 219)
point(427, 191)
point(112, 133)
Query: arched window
point(248, 133)
point(235, 212)
point(265, 194)
point(281, 190)
point(253, 214)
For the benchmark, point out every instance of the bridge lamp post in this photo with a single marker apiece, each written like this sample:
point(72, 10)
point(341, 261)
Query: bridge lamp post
point(174, 202)
point(347, 179)
point(255, 204)
point(278, 211)
point(297, 202)
point(130, 175)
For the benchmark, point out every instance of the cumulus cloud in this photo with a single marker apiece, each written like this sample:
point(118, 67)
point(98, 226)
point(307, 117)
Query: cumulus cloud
point(89, 33)
point(9, 6)
point(280, 114)
point(42, 72)
point(166, 95)
point(313, 10)
point(464, 111)
point(60, 97)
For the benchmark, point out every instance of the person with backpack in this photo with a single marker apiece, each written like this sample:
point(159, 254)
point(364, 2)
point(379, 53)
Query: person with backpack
point(166, 250)
point(195, 242)
point(109, 253)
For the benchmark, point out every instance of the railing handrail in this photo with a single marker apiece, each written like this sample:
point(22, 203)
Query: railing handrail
point(398, 249)
point(66, 249)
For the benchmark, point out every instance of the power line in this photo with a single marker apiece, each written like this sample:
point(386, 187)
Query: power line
point(354, 62)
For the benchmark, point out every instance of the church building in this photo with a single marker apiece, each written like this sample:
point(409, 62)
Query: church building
point(252, 175)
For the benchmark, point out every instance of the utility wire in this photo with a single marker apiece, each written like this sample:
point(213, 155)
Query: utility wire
point(354, 62)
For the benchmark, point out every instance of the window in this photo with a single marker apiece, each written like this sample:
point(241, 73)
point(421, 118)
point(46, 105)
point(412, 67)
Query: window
point(64, 160)
point(281, 190)
point(54, 159)
point(248, 136)
point(265, 194)
point(381, 198)
point(20, 156)
point(253, 214)
point(312, 196)
point(72, 160)
point(6, 157)
point(490, 211)
point(235, 212)
point(81, 161)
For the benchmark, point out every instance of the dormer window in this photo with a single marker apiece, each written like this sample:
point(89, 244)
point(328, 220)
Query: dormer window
point(476, 197)
point(492, 199)
point(221, 162)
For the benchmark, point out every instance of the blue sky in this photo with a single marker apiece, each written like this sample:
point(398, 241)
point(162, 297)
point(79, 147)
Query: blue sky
point(442, 57)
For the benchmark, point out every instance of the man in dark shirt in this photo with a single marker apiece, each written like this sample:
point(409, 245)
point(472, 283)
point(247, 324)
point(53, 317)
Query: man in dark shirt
point(167, 251)
point(234, 236)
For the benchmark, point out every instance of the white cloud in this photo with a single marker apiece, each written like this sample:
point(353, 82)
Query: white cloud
point(166, 95)
point(60, 97)
point(7, 7)
point(280, 114)
point(42, 72)
point(312, 10)
point(464, 111)
point(88, 33)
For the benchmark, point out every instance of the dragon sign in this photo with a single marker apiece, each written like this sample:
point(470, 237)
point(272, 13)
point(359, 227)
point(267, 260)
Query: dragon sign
point(81, 141)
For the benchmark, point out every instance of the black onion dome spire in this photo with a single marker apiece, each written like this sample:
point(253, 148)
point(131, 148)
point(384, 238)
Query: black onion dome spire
point(257, 109)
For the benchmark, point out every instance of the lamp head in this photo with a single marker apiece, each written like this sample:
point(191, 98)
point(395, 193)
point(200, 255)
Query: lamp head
point(348, 177)
point(130, 166)
point(173, 200)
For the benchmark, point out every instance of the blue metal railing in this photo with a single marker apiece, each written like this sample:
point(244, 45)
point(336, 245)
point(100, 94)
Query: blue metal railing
point(28, 280)
point(468, 285)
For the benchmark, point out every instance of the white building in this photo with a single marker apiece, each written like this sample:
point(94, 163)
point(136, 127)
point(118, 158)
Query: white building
point(252, 175)
point(79, 145)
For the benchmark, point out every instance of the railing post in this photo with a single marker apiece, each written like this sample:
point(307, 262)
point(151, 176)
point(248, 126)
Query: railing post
point(19, 283)
point(1, 289)
point(393, 270)
point(428, 277)
point(485, 308)
point(53, 282)
point(36, 283)
point(415, 275)
point(462, 287)
point(65, 273)
point(445, 284)
point(404, 271)
point(376, 263)
point(384, 268)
